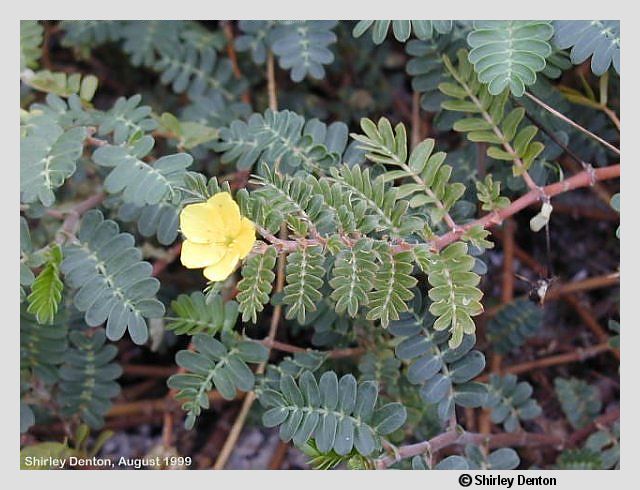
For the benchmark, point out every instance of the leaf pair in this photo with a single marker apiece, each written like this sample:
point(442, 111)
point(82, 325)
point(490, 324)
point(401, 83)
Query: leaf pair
point(212, 363)
point(338, 415)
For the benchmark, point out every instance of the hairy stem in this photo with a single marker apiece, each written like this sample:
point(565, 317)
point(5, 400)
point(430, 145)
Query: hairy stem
point(454, 438)
point(583, 179)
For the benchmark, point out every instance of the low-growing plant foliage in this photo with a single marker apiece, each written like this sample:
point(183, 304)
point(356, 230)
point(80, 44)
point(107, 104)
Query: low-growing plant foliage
point(305, 214)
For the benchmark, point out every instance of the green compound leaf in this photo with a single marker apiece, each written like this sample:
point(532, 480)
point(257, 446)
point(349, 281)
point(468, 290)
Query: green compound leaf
point(222, 365)
point(48, 157)
point(65, 85)
point(444, 373)
point(144, 40)
point(387, 145)
point(46, 290)
point(113, 283)
point(284, 137)
point(125, 119)
point(87, 378)
point(294, 198)
point(42, 349)
point(256, 284)
point(580, 402)
point(329, 460)
point(353, 274)
point(402, 29)
point(304, 276)
point(487, 122)
point(507, 54)
point(140, 182)
point(339, 415)
point(194, 71)
point(489, 194)
point(194, 314)
point(376, 206)
point(303, 47)
point(90, 32)
point(30, 41)
point(454, 293)
point(513, 324)
point(391, 285)
point(253, 38)
point(599, 39)
point(510, 401)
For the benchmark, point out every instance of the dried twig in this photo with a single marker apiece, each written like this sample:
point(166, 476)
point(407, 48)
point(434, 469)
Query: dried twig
point(278, 456)
point(571, 122)
point(579, 355)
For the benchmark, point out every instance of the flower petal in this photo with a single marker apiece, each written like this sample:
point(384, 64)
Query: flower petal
point(196, 255)
point(201, 224)
point(227, 210)
point(243, 242)
point(222, 269)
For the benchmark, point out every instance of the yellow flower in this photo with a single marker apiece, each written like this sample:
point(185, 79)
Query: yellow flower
point(216, 236)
